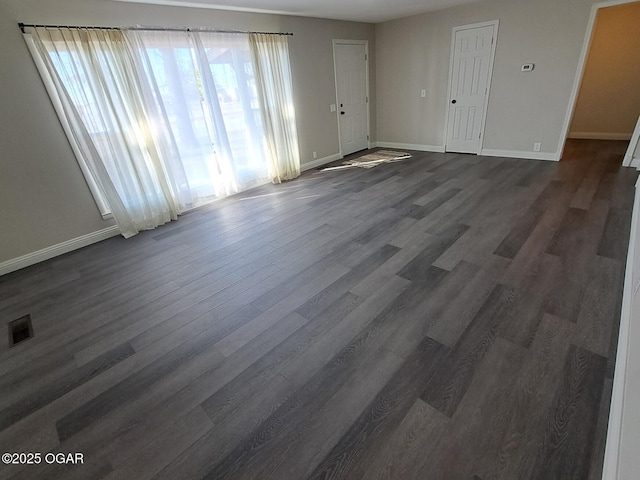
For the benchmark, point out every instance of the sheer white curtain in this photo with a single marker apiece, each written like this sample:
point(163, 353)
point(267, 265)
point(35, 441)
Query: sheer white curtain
point(164, 121)
point(203, 84)
point(103, 104)
point(228, 73)
point(270, 55)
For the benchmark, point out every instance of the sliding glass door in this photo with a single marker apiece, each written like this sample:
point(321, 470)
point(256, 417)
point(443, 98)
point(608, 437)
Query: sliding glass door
point(205, 87)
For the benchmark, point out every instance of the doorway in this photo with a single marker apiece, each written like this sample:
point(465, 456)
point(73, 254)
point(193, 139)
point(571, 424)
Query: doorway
point(605, 101)
point(472, 54)
point(351, 63)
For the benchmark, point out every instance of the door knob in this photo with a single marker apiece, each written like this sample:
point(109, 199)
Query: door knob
point(454, 101)
point(341, 113)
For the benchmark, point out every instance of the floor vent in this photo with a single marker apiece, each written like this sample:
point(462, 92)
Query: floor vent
point(20, 330)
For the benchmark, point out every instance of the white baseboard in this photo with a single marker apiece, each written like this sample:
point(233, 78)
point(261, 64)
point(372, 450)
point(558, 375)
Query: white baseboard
point(59, 249)
point(411, 146)
point(319, 162)
point(599, 136)
point(552, 157)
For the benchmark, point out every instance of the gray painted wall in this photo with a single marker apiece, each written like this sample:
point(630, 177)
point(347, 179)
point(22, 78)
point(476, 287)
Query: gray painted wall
point(44, 198)
point(413, 53)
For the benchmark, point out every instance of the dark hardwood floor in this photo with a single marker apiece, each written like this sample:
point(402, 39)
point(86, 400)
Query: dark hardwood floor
point(444, 317)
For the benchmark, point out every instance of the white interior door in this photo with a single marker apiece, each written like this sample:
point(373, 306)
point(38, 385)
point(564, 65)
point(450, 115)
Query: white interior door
point(471, 66)
point(351, 91)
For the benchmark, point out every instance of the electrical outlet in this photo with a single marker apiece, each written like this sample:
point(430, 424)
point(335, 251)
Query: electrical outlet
point(315, 155)
point(332, 107)
point(423, 93)
point(536, 147)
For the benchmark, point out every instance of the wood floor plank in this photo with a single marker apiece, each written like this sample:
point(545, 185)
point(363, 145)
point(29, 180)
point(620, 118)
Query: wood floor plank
point(513, 454)
point(613, 243)
point(580, 231)
point(480, 419)
point(538, 173)
point(456, 317)
point(229, 433)
point(406, 451)
point(556, 195)
point(252, 457)
point(599, 306)
point(161, 450)
point(82, 417)
point(449, 386)
point(248, 290)
point(60, 384)
point(28, 431)
point(190, 306)
point(352, 455)
point(597, 456)
point(127, 426)
point(441, 218)
point(312, 307)
point(324, 383)
point(387, 271)
point(181, 325)
point(524, 268)
point(320, 432)
point(438, 296)
point(325, 348)
point(419, 212)
point(487, 207)
point(569, 233)
point(424, 185)
point(45, 440)
point(585, 193)
point(143, 423)
point(423, 261)
point(276, 294)
point(432, 194)
point(523, 320)
point(577, 257)
point(475, 245)
point(286, 353)
point(386, 223)
point(241, 336)
point(44, 342)
point(567, 447)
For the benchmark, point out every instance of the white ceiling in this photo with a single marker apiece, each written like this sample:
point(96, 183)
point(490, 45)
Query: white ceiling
point(372, 11)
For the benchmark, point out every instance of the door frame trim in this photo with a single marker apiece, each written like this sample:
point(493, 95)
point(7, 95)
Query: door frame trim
point(617, 409)
point(335, 79)
point(495, 23)
point(631, 149)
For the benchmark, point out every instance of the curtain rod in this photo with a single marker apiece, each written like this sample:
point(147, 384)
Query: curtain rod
point(157, 29)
